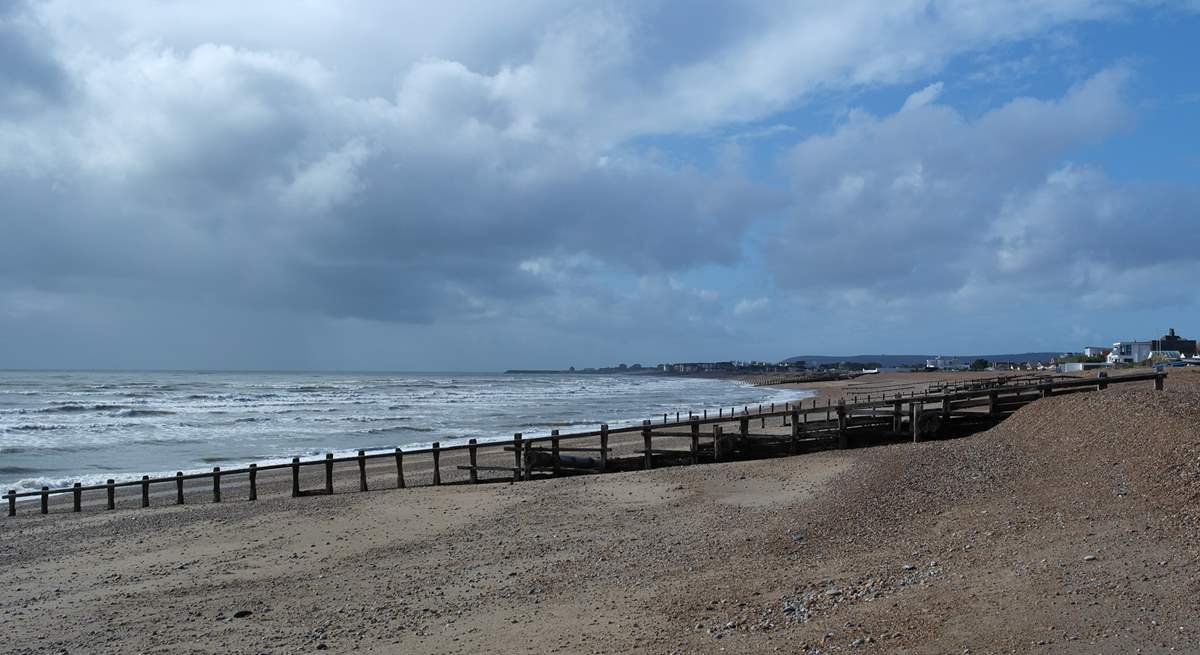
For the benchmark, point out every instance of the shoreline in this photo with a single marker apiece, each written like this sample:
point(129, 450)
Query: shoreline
point(35, 480)
point(894, 548)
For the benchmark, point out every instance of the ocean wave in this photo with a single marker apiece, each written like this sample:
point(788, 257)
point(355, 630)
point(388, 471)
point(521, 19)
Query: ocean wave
point(398, 428)
point(35, 427)
point(73, 408)
point(17, 470)
point(134, 413)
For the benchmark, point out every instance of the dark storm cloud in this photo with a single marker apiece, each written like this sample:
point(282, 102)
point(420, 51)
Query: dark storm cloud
point(412, 165)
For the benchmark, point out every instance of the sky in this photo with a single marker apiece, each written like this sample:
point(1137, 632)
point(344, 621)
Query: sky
point(474, 186)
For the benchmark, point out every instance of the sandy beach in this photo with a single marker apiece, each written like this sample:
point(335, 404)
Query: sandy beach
point(1070, 527)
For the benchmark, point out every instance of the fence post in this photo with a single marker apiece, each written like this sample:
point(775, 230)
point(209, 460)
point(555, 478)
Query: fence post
point(528, 454)
point(603, 447)
point(914, 420)
point(216, 484)
point(329, 474)
point(254, 482)
point(472, 455)
point(1103, 377)
point(178, 487)
point(648, 454)
point(744, 428)
point(399, 468)
point(718, 453)
point(517, 456)
point(897, 414)
point(145, 491)
point(554, 450)
point(295, 477)
point(695, 440)
point(841, 418)
point(946, 408)
point(112, 493)
point(993, 404)
point(794, 446)
point(12, 502)
point(45, 500)
point(437, 463)
point(362, 470)
point(76, 499)
point(1159, 378)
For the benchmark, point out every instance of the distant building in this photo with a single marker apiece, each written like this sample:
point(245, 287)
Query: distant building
point(1077, 367)
point(944, 363)
point(1166, 355)
point(1129, 352)
point(1170, 341)
point(1096, 351)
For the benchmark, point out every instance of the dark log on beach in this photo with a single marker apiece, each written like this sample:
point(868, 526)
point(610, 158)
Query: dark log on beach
point(545, 459)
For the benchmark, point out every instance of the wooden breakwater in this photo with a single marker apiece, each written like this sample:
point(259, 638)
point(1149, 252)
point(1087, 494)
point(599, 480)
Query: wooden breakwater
point(694, 439)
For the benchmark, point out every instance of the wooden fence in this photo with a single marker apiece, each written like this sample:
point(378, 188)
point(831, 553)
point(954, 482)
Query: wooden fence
point(811, 424)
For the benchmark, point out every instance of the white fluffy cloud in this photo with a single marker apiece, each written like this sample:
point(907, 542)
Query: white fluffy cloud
point(419, 163)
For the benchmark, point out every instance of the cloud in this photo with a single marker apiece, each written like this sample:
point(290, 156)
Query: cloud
point(904, 204)
point(749, 306)
point(408, 164)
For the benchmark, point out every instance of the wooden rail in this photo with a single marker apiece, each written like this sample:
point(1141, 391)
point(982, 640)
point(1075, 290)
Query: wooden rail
point(812, 422)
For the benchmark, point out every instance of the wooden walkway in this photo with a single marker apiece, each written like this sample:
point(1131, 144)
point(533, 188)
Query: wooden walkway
point(871, 417)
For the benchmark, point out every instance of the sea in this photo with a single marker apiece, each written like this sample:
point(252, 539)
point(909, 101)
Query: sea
point(57, 428)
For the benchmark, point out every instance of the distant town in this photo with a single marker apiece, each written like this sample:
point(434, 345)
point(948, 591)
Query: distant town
point(1167, 350)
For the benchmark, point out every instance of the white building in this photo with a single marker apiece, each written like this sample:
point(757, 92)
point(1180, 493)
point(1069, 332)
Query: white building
point(944, 363)
point(1096, 351)
point(1129, 352)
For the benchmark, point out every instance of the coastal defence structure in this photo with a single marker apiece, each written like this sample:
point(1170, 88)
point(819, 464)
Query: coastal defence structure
point(876, 415)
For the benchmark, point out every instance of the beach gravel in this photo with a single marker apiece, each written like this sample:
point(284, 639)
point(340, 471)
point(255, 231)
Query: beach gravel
point(1069, 528)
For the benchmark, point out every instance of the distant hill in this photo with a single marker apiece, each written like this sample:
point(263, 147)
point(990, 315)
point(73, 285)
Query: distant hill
point(889, 361)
